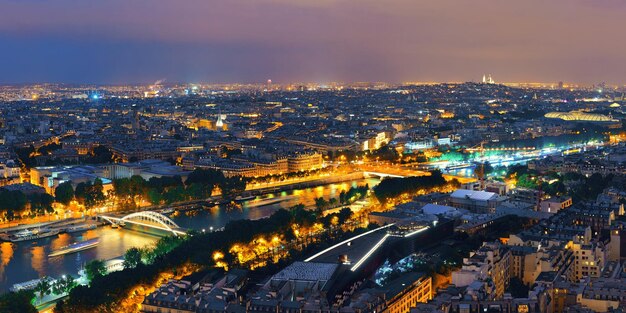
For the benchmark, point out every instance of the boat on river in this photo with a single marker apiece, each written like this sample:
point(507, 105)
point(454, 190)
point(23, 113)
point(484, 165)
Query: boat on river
point(267, 201)
point(243, 199)
point(29, 285)
point(33, 234)
point(167, 211)
point(79, 228)
point(75, 247)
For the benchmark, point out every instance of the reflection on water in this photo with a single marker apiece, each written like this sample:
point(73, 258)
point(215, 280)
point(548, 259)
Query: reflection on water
point(6, 254)
point(60, 242)
point(37, 259)
point(28, 260)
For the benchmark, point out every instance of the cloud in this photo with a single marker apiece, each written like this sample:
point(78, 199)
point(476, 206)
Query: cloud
point(575, 40)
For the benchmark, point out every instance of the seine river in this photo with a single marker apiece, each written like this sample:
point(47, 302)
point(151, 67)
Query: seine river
point(29, 260)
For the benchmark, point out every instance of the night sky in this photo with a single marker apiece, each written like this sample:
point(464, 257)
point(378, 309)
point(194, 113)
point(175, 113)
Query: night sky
point(141, 41)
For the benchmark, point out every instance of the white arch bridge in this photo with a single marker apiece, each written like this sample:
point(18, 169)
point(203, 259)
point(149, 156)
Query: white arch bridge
point(148, 219)
point(381, 175)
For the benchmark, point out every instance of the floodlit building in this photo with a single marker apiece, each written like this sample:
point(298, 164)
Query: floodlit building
point(580, 116)
point(555, 204)
point(9, 172)
point(475, 201)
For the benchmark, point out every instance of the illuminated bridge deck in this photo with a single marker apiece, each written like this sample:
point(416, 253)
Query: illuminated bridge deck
point(148, 219)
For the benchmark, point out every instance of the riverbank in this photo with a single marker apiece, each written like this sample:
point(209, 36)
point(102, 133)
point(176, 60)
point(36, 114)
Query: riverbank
point(28, 260)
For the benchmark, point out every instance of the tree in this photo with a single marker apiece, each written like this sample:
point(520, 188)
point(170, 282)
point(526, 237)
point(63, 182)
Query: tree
point(122, 187)
point(132, 258)
point(199, 191)
point(64, 193)
point(233, 185)
point(17, 302)
point(43, 287)
point(483, 170)
point(95, 268)
point(154, 196)
point(68, 283)
point(204, 177)
point(344, 215)
point(342, 197)
point(385, 153)
point(90, 194)
point(332, 202)
point(137, 185)
point(302, 216)
point(320, 203)
point(390, 188)
point(64, 285)
point(41, 203)
point(11, 202)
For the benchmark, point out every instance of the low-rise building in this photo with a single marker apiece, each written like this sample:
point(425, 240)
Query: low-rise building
point(487, 269)
point(475, 201)
point(555, 204)
point(209, 293)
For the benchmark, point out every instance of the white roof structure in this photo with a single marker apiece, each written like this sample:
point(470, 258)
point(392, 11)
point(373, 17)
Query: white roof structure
point(580, 116)
point(436, 209)
point(474, 195)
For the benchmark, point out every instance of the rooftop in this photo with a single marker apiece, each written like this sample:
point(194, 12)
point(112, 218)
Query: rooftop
point(310, 271)
point(474, 195)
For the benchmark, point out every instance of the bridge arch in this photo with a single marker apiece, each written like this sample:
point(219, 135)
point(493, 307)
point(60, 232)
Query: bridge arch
point(155, 220)
point(152, 217)
point(381, 175)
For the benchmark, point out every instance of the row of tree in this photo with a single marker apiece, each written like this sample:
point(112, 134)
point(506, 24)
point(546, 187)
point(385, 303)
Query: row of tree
point(575, 185)
point(289, 175)
point(391, 188)
point(157, 190)
point(384, 153)
point(353, 194)
point(200, 184)
point(89, 194)
point(14, 203)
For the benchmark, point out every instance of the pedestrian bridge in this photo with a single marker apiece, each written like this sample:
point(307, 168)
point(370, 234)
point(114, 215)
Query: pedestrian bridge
point(381, 175)
point(148, 219)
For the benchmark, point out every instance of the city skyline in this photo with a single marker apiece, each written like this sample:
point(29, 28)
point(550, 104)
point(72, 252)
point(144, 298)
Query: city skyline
point(116, 42)
point(312, 156)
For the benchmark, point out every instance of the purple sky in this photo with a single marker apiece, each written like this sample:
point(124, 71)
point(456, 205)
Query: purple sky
point(118, 41)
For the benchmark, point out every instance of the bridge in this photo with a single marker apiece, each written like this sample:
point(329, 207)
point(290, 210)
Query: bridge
point(148, 219)
point(479, 149)
point(381, 175)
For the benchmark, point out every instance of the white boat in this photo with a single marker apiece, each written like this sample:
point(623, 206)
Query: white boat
point(26, 234)
point(242, 199)
point(268, 201)
point(27, 285)
point(82, 227)
point(75, 247)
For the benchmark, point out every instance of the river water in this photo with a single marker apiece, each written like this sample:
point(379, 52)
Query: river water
point(28, 260)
